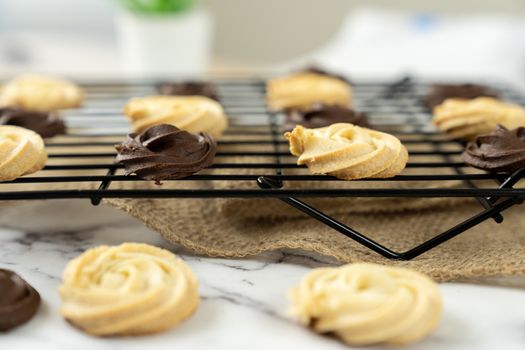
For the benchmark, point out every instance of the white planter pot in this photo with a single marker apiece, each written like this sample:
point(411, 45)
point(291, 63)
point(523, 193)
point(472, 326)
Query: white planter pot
point(165, 45)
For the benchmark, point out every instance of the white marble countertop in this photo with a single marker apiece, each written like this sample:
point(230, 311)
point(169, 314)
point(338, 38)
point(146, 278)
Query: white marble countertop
point(243, 301)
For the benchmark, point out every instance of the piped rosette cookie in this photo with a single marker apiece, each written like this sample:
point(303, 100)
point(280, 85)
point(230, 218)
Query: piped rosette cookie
point(22, 152)
point(347, 151)
point(302, 90)
point(19, 301)
point(466, 119)
point(166, 152)
point(365, 304)
point(130, 289)
point(190, 113)
point(502, 150)
point(40, 93)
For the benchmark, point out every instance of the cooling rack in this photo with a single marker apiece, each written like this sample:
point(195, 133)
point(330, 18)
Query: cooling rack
point(86, 153)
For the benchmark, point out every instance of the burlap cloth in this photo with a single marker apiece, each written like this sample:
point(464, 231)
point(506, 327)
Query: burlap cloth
point(488, 249)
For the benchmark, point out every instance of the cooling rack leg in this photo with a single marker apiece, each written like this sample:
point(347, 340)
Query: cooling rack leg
point(269, 183)
point(103, 186)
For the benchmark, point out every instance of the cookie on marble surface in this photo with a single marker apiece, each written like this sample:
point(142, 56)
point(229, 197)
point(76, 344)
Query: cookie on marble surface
point(40, 93)
point(190, 113)
point(19, 301)
point(22, 152)
point(130, 289)
point(366, 304)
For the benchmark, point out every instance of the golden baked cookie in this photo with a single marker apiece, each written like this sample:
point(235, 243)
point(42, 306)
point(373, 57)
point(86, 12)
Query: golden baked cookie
point(466, 119)
point(347, 151)
point(303, 90)
point(40, 93)
point(22, 152)
point(190, 113)
point(366, 304)
point(130, 289)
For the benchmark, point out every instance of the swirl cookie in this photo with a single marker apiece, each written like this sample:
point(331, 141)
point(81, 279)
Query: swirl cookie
point(441, 92)
point(347, 151)
point(22, 152)
point(166, 152)
point(465, 119)
point(323, 115)
point(190, 113)
point(188, 88)
point(18, 300)
point(46, 124)
point(366, 304)
point(501, 150)
point(40, 93)
point(130, 289)
point(303, 90)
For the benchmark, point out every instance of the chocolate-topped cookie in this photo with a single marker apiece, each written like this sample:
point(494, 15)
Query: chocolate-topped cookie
point(166, 152)
point(323, 115)
point(322, 71)
point(440, 92)
point(188, 88)
point(18, 300)
point(46, 124)
point(501, 150)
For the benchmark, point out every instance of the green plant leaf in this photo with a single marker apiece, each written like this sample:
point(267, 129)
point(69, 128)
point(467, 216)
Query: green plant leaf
point(158, 6)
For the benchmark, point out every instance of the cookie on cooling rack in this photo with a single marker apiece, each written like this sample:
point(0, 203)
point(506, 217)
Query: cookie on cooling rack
point(22, 152)
point(501, 150)
point(40, 93)
point(46, 124)
point(347, 151)
point(166, 152)
point(304, 89)
point(320, 115)
point(130, 289)
point(188, 88)
point(190, 113)
point(440, 92)
point(366, 304)
point(465, 119)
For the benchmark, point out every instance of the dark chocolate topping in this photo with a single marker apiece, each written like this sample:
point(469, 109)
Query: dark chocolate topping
point(320, 71)
point(18, 300)
point(440, 92)
point(166, 152)
point(323, 115)
point(501, 150)
point(44, 124)
point(189, 88)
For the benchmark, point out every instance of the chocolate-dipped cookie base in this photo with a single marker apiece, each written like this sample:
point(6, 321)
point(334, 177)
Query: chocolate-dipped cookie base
point(18, 300)
point(440, 92)
point(323, 115)
point(43, 123)
point(189, 88)
point(321, 71)
point(501, 150)
point(166, 152)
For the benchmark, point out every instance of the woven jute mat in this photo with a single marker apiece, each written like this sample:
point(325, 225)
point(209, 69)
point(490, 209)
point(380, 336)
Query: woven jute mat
point(488, 249)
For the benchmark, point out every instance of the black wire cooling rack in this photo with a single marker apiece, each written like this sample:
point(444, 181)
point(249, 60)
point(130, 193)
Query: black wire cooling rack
point(86, 153)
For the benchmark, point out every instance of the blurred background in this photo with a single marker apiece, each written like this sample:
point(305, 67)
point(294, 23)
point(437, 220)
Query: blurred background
point(112, 38)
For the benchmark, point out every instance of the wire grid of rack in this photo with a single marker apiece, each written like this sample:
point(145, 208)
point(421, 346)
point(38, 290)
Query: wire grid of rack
point(392, 107)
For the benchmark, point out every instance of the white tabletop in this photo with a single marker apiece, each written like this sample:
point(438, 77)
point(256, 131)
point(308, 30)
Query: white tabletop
point(244, 301)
